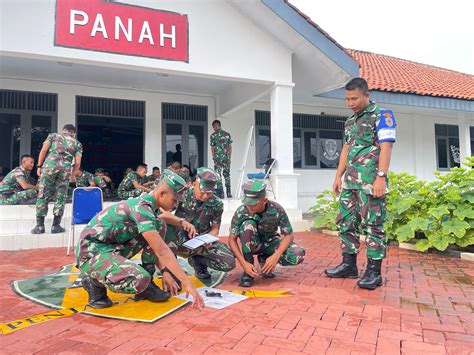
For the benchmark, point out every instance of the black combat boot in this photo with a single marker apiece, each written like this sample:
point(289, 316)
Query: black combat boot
point(219, 192)
point(39, 229)
point(56, 227)
point(372, 277)
point(346, 269)
point(247, 280)
point(153, 293)
point(97, 293)
point(199, 266)
point(227, 192)
point(262, 259)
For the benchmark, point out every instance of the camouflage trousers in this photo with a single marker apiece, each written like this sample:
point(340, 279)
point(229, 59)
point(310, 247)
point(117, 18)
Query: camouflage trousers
point(217, 256)
point(18, 198)
point(111, 266)
point(51, 183)
point(125, 195)
point(253, 243)
point(222, 168)
point(360, 210)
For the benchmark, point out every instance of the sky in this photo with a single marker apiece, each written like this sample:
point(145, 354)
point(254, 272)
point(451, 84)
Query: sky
point(434, 32)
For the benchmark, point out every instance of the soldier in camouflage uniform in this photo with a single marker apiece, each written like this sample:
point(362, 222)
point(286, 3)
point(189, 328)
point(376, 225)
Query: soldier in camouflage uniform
point(221, 145)
point(133, 184)
point(121, 231)
point(185, 173)
point(155, 175)
point(204, 211)
point(17, 188)
point(84, 178)
point(61, 153)
point(364, 162)
point(256, 224)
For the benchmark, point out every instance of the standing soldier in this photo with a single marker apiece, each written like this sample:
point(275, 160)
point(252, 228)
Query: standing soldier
point(221, 145)
point(121, 231)
point(133, 184)
point(16, 188)
point(365, 159)
point(256, 224)
point(60, 154)
point(202, 210)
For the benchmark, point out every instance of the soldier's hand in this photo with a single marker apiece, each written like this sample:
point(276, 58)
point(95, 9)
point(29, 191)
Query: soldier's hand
point(189, 289)
point(270, 264)
point(169, 284)
point(380, 186)
point(336, 186)
point(250, 269)
point(38, 172)
point(189, 228)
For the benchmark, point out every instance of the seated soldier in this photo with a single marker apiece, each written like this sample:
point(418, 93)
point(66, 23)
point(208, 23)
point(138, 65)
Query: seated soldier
point(202, 210)
point(256, 224)
point(84, 178)
point(16, 187)
point(103, 181)
point(155, 175)
point(121, 231)
point(185, 173)
point(174, 166)
point(132, 184)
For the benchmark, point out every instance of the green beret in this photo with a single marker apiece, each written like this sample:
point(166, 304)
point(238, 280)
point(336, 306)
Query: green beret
point(253, 190)
point(176, 182)
point(207, 179)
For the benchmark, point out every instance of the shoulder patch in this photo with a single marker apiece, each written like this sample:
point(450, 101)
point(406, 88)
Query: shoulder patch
point(386, 126)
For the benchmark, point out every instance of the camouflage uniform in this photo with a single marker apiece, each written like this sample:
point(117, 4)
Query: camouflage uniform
point(357, 207)
point(221, 140)
point(85, 179)
point(114, 236)
point(185, 175)
point(258, 233)
point(202, 215)
point(56, 172)
point(11, 192)
point(126, 189)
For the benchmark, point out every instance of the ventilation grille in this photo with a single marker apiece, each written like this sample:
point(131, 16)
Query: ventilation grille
point(302, 120)
point(25, 100)
point(183, 112)
point(98, 106)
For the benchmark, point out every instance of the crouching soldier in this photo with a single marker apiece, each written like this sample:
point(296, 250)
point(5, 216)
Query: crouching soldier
point(118, 233)
point(132, 184)
point(203, 211)
point(256, 224)
point(16, 188)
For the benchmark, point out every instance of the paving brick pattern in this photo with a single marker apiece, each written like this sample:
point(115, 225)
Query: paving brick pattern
point(424, 307)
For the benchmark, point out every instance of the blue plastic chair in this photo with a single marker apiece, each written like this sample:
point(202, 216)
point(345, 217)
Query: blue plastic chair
point(86, 203)
point(264, 174)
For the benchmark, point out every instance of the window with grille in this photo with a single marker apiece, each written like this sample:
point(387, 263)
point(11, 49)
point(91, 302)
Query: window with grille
point(447, 146)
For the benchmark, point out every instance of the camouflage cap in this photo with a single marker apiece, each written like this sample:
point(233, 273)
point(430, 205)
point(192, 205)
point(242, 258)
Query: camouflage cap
point(176, 182)
point(253, 190)
point(207, 179)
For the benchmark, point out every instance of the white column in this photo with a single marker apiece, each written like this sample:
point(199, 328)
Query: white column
point(153, 138)
point(283, 179)
point(464, 137)
point(66, 108)
point(418, 142)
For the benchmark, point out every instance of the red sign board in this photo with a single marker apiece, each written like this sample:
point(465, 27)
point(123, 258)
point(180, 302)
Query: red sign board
point(121, 28)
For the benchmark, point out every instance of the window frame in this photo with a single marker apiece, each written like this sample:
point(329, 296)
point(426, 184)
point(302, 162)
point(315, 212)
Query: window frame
point(446, 139)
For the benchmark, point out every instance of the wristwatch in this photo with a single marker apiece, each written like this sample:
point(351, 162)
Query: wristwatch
point(381, 173)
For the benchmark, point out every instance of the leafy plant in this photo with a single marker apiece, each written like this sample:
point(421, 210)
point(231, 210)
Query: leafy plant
point(437, 214)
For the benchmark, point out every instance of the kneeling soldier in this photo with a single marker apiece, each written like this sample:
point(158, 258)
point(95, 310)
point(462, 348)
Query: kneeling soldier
point(202, 210)
point(16, 188)
point(256, 224)
point(133, 184)
point(118, 233)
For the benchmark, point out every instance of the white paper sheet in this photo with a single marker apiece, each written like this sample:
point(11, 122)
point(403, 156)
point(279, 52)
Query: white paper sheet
point(199, 240)
point(227, 299)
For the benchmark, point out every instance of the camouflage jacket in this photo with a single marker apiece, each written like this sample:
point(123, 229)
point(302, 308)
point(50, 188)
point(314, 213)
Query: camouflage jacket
point(185, 176)
point(118, 226)
point(201, 215)
point(268, 222)
point(100, 182)
point(10, 184)
point(85, 179)
point(63, 148)
point(363, 133)
point(127, 182)
point(221, 140)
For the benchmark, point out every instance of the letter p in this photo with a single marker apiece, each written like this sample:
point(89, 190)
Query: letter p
point(73, 21)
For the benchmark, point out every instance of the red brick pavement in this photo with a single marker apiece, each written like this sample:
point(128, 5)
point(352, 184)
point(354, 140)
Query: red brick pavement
point(424, 307)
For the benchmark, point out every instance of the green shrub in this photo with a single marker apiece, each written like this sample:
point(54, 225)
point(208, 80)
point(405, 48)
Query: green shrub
point(438, 213)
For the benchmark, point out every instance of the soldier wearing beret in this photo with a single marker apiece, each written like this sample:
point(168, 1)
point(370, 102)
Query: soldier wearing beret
point(264, 230)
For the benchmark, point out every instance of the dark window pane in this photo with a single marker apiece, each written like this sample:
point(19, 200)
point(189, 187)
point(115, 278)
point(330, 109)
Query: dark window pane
point(10, 137)
point(310, 149)
point(442, 153)
point(330, 148)
point(441, 130)
point(173, 142)
point(453, 131)
point(297, 148)
point(454, 153)
point(263, 146)
point(196, 147)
